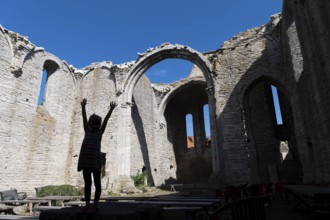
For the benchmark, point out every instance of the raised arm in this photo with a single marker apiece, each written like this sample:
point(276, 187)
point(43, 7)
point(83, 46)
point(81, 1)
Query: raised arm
point(83, 108)
point(105, 121)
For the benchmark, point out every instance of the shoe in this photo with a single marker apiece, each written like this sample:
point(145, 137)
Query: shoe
point(92, 210)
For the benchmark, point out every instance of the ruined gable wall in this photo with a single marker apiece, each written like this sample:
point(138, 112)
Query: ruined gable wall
point(52, 124)
point(7, 81)
point(243, 59)
point(35, 142)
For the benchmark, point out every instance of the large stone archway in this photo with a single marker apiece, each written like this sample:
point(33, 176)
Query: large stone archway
point(145, 61)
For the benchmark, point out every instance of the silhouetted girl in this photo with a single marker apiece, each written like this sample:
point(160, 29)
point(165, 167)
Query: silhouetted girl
point(90, 154)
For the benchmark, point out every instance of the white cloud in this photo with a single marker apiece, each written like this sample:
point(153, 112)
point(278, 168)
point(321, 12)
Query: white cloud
point(159, 73)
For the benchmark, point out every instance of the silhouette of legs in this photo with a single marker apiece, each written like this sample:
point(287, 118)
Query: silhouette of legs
point(88, 185)
point(97, 184)
point(87, 173)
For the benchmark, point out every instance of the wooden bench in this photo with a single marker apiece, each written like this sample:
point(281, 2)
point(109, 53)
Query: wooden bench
point(62, 199)
point(175, 187)
point(42, 208)
point(74, 203)
point(12, 194)
point(29, 203)
point(7, 209)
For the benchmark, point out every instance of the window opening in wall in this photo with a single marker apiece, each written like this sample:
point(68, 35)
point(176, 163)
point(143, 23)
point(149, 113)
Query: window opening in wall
point(207, 124)
point(41, 98)
point(278, 113)
point(190, 131)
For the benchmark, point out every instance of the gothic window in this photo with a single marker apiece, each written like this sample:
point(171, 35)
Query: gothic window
point(49, 68)
point(207, 125)
point(190, 131)
point(278, 113)
point(42, 90)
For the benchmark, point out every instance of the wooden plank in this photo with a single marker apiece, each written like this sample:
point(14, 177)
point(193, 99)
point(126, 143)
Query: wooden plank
point(42, 208)
point(74, 203)
point(124, 198)
point(175, 203)
point(186, 199)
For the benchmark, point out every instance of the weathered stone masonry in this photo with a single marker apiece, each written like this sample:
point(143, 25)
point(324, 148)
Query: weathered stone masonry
point(40, 144)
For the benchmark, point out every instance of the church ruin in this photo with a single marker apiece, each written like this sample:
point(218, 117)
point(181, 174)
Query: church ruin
point(40, 143)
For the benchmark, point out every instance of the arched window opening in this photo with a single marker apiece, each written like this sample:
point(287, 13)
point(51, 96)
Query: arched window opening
point(282, 129)
point(49, 68)
point(207, 125)
point(190, 131)
point(41, 97)
point(169, 70)
point(278, 112)
point(285, 151)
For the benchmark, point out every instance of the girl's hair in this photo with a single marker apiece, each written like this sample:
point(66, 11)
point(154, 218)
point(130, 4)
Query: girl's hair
point(94, 120)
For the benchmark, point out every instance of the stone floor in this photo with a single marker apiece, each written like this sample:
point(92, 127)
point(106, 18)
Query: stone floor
point(281, 209)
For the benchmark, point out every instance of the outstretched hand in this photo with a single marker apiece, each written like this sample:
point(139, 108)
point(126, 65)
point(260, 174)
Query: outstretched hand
point(113, 105)
point(84, 102)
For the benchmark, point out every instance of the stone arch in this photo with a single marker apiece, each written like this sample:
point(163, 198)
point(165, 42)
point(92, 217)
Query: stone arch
point(51, 66)
point(163, 52)
point(144, 62)
point(49, 61)
point(174, 91)
point(267, 78)
point(192, 164)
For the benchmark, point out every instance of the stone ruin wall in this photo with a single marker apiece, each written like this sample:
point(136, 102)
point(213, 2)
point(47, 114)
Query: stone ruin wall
point(98, 78)
point(256, 53)
point(306, 30)
point(40, 144)
point(34, 140)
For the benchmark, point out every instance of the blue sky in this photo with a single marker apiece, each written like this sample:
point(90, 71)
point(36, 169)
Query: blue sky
point(85, 31)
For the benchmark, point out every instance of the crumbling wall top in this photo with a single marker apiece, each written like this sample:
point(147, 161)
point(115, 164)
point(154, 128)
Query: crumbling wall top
point(252, 34)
